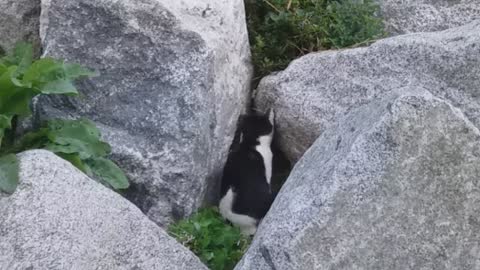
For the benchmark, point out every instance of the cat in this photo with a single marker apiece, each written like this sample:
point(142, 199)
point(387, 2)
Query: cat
point(246, 193)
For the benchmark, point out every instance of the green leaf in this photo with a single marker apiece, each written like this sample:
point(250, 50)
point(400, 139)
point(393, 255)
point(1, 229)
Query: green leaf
point(76, 136)
point(21, 56)
point(5, 121)
point(43, 71)
point(60, 86)
point(109, 172)
point(3, 68)
point(18, 103)
point(74, 71)
point(9, 170)
point(7, 87)
point(24, 56)
point(77, 162)
point(31, 140)
point(54, 77)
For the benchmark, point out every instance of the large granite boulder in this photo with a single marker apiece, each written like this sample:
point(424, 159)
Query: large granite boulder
point(407, 16)
point(394, 184)
point(319, 88)
point(174, 79)
point(58, 218)
point(19, 21)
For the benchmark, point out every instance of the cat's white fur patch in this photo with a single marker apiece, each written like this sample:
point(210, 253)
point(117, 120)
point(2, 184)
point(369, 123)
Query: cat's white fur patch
point(247, 225)
point(266, 152)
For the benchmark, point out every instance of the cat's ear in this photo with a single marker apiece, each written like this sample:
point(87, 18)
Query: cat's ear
point(271, 116)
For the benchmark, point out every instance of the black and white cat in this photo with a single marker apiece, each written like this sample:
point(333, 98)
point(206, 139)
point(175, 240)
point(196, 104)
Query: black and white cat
point(246, 193)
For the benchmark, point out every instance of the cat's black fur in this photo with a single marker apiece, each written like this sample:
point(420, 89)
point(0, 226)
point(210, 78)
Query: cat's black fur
point(244, 171)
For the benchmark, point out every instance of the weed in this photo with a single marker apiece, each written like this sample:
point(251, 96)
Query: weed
point(219, 245)
point(78, 141)
point(282, 30)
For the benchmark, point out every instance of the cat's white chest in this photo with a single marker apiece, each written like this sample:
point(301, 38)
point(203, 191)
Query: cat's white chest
point(266, 152)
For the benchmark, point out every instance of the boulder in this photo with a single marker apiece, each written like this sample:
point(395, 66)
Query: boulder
point(394, 184)
point(19, 21)
point(319, 88)
point(409, 16)
point(173, 81)
point(58, 218)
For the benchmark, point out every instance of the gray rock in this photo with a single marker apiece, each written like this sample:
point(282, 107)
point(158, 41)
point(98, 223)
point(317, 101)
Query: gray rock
point(58, 218)
point(174, 79)
point(394, 184)
point(319, 88)
point(19, 21)
point(409, 16)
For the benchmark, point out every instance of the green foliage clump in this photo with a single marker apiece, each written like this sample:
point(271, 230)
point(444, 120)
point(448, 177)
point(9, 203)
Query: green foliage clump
point(219, 245)
point(78, 141)
point(281, 30)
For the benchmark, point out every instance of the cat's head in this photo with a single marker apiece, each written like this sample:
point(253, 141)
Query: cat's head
point(256, 125)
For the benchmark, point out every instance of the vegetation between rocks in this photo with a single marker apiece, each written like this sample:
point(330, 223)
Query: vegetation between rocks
point(281, 30)
point(219, 245)
point(78, 141)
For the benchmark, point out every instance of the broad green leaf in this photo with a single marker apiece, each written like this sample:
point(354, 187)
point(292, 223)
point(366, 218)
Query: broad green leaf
point(43, 71)
point(3, 68)
point(76, 136)
point(77, 162)
point(24, 58)
point(83, 148)
point(13, 99)
point(31, 140)
point(19, 83)
point(9, 170)
point(18, 103)
point(21, 56)
point(5, 121)
point(47, 70)
point(108, 172)
point(7, 87)
point(74, 71)
point(18, 62)
point(60, 86)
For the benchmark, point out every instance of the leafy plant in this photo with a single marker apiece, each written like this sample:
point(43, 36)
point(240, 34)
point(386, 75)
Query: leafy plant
point(78, 141)
point(219, 245)
point(281, 30)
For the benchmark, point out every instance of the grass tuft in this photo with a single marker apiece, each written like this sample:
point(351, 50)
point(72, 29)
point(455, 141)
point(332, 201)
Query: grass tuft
point(282, 30)
point(219, 245)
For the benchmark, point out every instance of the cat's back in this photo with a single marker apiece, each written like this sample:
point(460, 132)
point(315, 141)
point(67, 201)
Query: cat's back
point(245, 164)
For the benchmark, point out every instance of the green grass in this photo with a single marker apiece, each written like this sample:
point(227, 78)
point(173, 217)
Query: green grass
point(219, 245)
point(282, 30)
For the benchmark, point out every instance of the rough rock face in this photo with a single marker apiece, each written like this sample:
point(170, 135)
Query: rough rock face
point(407, 16)
point(319, 88)
point(174, 79)
point(394, 185)
point(58, 218)
point(19, 21)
